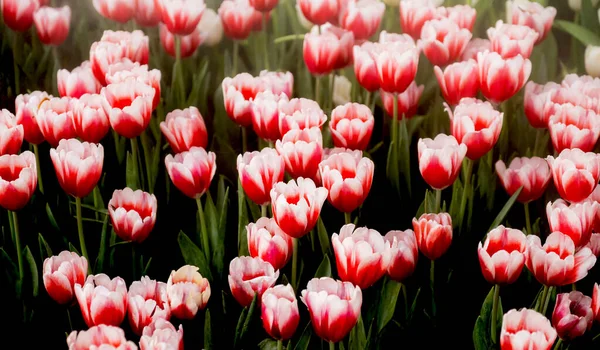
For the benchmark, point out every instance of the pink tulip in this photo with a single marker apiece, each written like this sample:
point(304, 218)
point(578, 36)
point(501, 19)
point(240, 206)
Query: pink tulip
point(278, 82)
point(440, 160)
point(575, 220)
point(574, 127)
point(397, 64)
point(573, 315)
point(238, 94)
point(90, 120)
point(510, 40)
point(135, 43)
point(78, 82)
point(474, 47)
point(351, 126)
point(365, 68)
point(433, 233)
point(117, 10)
point(11, 133)
point(18, 14)
point(102, 300)
point(161, 334)
point(533, 174)
point(26, 108)
point(187, 292)
point(327, 48)
point(443, 41)
point(55, 119)
point(565, 96)
point(185, 129)
point(594, 243)
point(463, 15)
point(300, 113)
point(511, 74)
point(61, 272)
point(267, 241)
point(78, 166)
point(52, 24)
point(526, 329)
point(102, 55)
point(535, 100)
point(189, 43)
point(264, 5)
point(502, 256)
point(265, 115)
point(596, 302)
point(362, 18)
point(403, 254)
point(249, 277)
point(132, 214)
point(181, 16)
point(408, 101)
point(147, 13)
point(238, 18)
point(192, 171)
point(279, 312)
point(147, 302)
point(100, 337)
point(458, 80)
point(128, 105)
point(302, 150)
point(575, 173)
point(127, 69)
point(259, 172)
point(319, 12)
point(414, 14)
point(533, 15)
point(386, 37)
point(18, 180)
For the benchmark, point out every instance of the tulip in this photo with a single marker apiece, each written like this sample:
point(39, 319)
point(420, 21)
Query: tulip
point(334, 307)
point(238, 93)
point(440, 160)
point(147, 13)
point(575, 173)
point(78, 82)
point(26, 107)
point(592, 57)
point(502, 256)
point(279, 312)
point(296, 205)
point(238, 18)
point(387, 37)
point(403, 254)
point(414, 14)
point(327, 48)
point(266, 240)
point(351, 126)
point(161, 334)
point(99, 337)
point(102, 300)
point(192, 171)
point(250, 276)
point(476, 124)
point(365, 68)
point(342, 90)
point(128, 105)
point(300, 113)
point(127, 69)
point(188, 43)
point(18, 180)
point(210, 27)
point(11, 133)
point(55, 119)
point(185, 129)
point(534, 102)
point(60, 274)
point(132, 214)
point(572, 315)
point(78, 166)
point(278, 82)
point(187, 292)
point(319, 12)
point(117, 10)
point(531, 14)
point(511, 73)
point(181, 16)
point(569, 97)
point(526, 329)
point(265, 115)
point(18, 14)
point(443, 41)
point(575, 220)
point(594, 243)
point(596, 302)
point(458, 80)
point(102, 55)
point(556, 263)
point(574, 127)
point(397, 64)
point(52, 24)
point(463, 15)
point(575, 5)
point(259, 172)
point(302, 150)
point(362, 18)
point(135, 43)
point(533, 174)
point(433, 233)
point(264, 5)
point(510, 40)
point(474, 47)
point(408, 101)
point(90, 121)
point(348, 177)
point(147, 302)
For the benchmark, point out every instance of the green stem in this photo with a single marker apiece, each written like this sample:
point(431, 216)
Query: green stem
point(405, 296)
point(280, 344)
point(290, 37)
point(271, 144)
point(36, 151)
point(56, 58)
point(432, 284)
point(558, 344)
point(294, 263)
point(134, 273)
point(16, 70)
point(494, 313)
point(318, 89)
point(348, 218)
point(394, 116)
point(548, 297)
point(527, 219)
point(264, 210)
point(244, 139)
point(236, 53)
point(542, 299)
point(179, 71)
point(368, 96)
point(18, 246)
point(203, 230)
point(331, 345)
point(80, 231)
point(134, 156)
point(331, 89)
point(438, 200)
point(467, 182)
point(266, 38)
point(69, 319)
point(538, 136)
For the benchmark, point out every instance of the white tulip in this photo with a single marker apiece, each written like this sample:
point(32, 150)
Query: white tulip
point(211, 26)
point(575, 5)
point(342, 88)
point(592, 61)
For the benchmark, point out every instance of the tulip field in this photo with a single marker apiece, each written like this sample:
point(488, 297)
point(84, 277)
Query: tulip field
point(300, 174)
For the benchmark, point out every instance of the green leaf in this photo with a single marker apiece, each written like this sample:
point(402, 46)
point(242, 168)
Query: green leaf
point(413, 306)
point(10, 268)
point(103, 243)
point(268, 344)
point(254, 209)
point(215, 235)
point(304, 340)
point(589, 16)
point(248, 315)
point(358, 337)
point(323, 237)
point(584, 35)
point(324, 269)
point(33, 271)
point(387, 302)
point(145, 270)
point(481, 331)
point(45, 251)
point(131, 174)
point(207, 331)
point(51, 217)
point(74, 249)
point(502, 214)
point(242, 222)
point(192, 255)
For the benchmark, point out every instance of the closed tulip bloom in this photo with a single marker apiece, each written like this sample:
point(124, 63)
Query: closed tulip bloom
point(533, 174)
point(11, 133)
point(572, 315)
point(55, 119)
point(102, 55)
point(192, 171)
point(502, 256)
point(556, 263)
point(26, 108)
point(443, 41)
point(129, 106)
point(18, 180)
point(99, 337)
point(408, 101)
point(575, 173)
point(397, 64)
point(238, 18)
point(511, 73)
point(510, 40)
point(189, 43)
point(147, 13)
point(90, 120)
point(474, 47)
point(365, 68)
point(161, 334)
point(342, 90)
point(265, 115)
point(238, 94)
point(403, 254)
point(187, 292)
point(361, 255)
point(117, 10)
point(250, 276)
point(536, 97)
point(327, 49)
point(267, 241)
point(279, 312)
point(78, 166)
point(147, 301)
point(362, 18)
point(210, 27)
point(296, 205)
point(126, 69)
point(18, 14)
point(575, 220)
point(136, 43)
point(132, 214)
point(79, 81)
point(440, 160)
point(458, 80)
point(531, 14)
point(302, 151)
point(52, 24)
point(463, 15)
point(351, 126)
point(414, 14)
point(526, 329)
point(181, 16)
point(259, 171)
point(476, 124)
point(319, 12)
point(596, 301)
point(300, 113)
point(185, 129)
point(433, 233)
point(574, 127)
point(592, 56)
point(61, 272)
point(102, 300)
point(334, 307)
point(348, 176)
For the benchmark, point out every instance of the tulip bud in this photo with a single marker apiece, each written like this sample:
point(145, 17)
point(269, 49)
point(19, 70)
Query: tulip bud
point(279, 312)
point(18, 180)
point(592, 61)
point(351, 126)
point(192, 171)
point(440, 160)
point(267, 241)
point(78, 166)
point(433, 233)
point(61, 273)
point(502, 256)
point(572, 315)
point(100, 337)
point(403, 254)
point(102, 300)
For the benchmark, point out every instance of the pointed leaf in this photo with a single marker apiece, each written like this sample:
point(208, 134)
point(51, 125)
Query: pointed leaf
point(323, 237)
point(584, 35)
point(242, 222)
point(502, 214)
point(45, 251)
point(192, 255)
point(324, 269)
point(51, 217)
point(33, 271)
point(358, 337)
point(268, 344)
point(207, 331)
point(103, 243)
point(304, 340)
point(387, 302)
